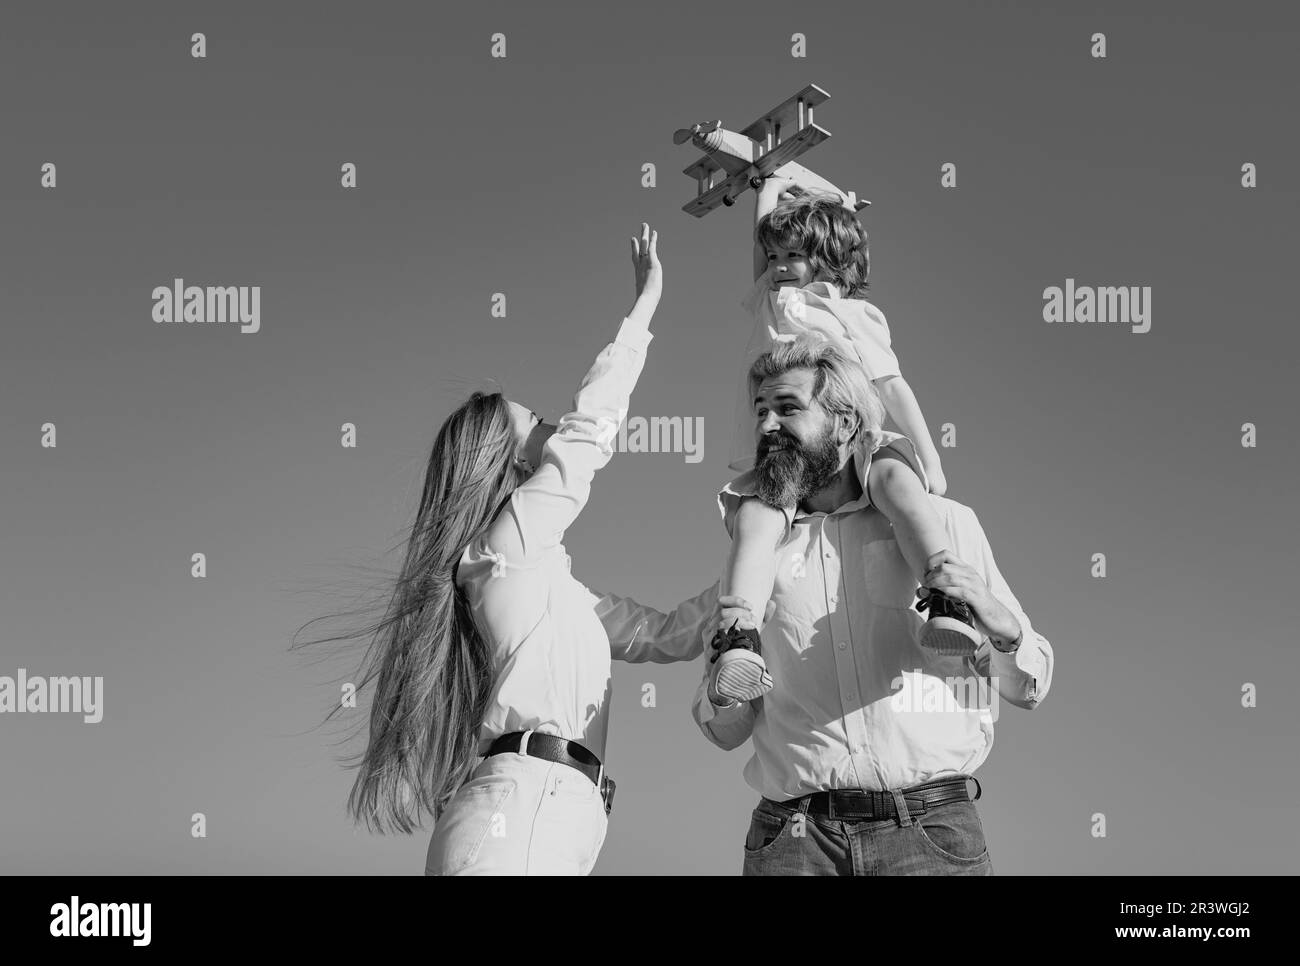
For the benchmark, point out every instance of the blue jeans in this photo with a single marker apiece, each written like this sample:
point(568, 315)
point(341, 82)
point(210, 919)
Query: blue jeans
point(944, 840)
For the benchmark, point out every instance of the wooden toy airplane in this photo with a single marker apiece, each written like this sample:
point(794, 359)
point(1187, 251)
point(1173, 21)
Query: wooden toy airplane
point(765, 148)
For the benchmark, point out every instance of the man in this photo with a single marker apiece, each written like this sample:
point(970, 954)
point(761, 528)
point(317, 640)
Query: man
point(858, 774)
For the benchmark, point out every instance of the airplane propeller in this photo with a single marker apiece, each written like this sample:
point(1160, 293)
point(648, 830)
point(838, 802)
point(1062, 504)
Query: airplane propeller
point(684, 134)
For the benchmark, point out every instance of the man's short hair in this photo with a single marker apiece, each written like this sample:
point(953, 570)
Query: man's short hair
point(840, 384)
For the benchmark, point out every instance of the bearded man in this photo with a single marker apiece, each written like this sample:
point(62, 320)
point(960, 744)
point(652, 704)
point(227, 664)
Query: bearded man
point(855, 778)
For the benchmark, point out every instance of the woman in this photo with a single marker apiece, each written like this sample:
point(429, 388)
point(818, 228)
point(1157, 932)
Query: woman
point(490, 707)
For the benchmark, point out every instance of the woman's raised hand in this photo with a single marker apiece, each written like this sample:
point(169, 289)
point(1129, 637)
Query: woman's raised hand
point(645, 258)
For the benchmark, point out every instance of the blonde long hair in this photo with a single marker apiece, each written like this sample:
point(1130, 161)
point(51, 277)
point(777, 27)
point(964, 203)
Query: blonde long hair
point(431, 667)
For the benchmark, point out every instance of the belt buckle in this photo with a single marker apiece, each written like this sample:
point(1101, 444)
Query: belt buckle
point(848, 811)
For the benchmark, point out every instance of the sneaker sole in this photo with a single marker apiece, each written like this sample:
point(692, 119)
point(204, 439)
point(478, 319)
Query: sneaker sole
point(950, 637)
point(740, 676)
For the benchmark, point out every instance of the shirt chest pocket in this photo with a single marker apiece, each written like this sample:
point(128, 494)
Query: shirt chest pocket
point(888, 579)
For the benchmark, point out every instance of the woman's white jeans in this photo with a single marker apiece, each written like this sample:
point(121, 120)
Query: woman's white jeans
point(520, 815)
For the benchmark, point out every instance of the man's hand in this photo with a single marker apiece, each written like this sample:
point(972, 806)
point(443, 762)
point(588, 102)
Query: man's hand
point(959, 580)
point(732, 608)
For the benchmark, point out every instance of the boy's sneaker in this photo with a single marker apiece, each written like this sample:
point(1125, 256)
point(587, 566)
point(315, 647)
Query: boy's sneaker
point(950, 629)
point(741, 672)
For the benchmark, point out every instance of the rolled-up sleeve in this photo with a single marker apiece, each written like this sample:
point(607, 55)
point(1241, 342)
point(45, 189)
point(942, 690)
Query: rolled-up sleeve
point(1025, 676)
point(727, 727)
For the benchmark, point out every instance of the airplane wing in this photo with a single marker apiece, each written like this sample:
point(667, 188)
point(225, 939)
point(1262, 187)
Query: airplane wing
point(787, 117)
point(702, 169)
point(790, 148)
point(706, 202)
point(780, 136)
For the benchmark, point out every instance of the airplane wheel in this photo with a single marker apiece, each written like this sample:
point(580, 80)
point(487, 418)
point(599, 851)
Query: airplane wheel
point(728, 201)
point(756, 182)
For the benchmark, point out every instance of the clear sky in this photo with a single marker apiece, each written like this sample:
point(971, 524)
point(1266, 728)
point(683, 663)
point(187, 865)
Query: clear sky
point(522, 175)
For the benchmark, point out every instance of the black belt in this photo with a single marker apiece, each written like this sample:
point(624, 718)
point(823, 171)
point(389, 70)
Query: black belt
point(863, 805)
point(554, 748)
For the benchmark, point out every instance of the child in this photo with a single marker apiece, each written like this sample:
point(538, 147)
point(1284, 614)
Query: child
point(810, 267)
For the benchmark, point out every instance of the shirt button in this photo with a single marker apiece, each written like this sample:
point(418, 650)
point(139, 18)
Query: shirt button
point(827, 555)
point(842, 645)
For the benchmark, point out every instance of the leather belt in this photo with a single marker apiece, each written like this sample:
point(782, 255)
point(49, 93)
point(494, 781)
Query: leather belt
point(555, 748)
point(862, 805)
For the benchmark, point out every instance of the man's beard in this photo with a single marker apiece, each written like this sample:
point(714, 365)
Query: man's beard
point(785, 477)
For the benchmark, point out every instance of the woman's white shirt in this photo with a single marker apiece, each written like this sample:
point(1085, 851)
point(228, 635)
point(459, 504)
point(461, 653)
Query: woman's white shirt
point(550, 650)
